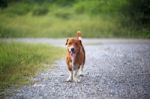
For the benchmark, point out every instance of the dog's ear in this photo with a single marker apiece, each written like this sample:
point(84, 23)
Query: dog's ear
point(80, 42)
point(66, 42)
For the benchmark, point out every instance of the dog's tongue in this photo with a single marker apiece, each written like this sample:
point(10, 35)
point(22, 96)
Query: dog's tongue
point(71, 53)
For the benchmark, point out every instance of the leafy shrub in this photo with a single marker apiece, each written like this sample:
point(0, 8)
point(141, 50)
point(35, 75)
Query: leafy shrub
point(40, 10)
point(63, 14)
point(64, 2)
point(138, 11)
point(19, 9)
point(3, 3)
point(79, 8)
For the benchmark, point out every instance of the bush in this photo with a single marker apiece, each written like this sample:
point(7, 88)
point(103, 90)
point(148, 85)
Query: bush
point(138, 11)
point(64, 2)
point(63, 15)
point(3, 3)
point(79, 8)
point(19, 9)
point(40, 10)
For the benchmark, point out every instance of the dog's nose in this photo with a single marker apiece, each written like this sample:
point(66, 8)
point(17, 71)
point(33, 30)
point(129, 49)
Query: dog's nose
point(72, 49)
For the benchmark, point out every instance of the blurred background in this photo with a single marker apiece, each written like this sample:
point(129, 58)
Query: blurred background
point(62, 18)
point(39, 20)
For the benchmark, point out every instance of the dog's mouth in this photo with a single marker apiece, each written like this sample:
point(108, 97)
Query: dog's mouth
point(72, 53)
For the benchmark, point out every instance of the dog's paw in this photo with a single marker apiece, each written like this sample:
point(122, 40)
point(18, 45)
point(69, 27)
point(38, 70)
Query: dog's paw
point(76, 80)
point(69, 80)
point(81, 74)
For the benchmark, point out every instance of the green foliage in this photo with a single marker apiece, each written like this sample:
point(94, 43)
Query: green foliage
point(63, 14)
point(99, 6)
point(61, 18)
point(64, 2)
point(138, 11)
point(3, 3)
point(40, 10)
point(79, 9)
point(18, 9)
point(19, 61)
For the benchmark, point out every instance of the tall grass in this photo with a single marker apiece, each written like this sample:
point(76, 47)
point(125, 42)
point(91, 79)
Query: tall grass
point(19, 61)
point(93, 18)
point(57, 26)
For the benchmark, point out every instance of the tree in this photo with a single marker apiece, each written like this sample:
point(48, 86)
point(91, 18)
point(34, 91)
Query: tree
point(138, 11)
point(3, 3)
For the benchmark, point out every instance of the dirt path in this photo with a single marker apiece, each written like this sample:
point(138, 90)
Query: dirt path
point(114, 69)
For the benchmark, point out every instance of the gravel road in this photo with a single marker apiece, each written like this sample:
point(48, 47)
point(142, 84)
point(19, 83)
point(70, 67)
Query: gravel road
point(114, 69)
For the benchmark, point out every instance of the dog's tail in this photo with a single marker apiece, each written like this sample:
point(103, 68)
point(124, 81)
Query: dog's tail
point(79, 35)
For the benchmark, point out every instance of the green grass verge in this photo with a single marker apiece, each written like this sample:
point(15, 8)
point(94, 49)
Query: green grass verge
point(20, 61)
point(94, 18)
point(51, 26)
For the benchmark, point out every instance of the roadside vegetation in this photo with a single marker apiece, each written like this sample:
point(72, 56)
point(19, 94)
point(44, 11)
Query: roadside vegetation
point(20, 61)
point(62, 18)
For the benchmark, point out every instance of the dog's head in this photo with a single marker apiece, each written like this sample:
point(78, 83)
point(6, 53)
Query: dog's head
point(73, 45)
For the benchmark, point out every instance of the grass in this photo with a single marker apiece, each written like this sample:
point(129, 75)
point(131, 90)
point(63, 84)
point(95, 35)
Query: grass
point(96, 19)
point(51, 26)
point(57, 27)
point(20, 61)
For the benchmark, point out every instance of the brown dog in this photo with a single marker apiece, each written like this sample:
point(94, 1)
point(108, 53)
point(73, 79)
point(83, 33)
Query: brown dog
point(75, 57)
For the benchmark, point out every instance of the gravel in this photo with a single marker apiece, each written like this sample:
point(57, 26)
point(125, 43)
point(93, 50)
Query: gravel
point(114, 69)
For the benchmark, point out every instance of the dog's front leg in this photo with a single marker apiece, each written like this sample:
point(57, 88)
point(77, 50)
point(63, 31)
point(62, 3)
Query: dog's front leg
point(70, 78)
point(75, 71)
point(81, 71)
